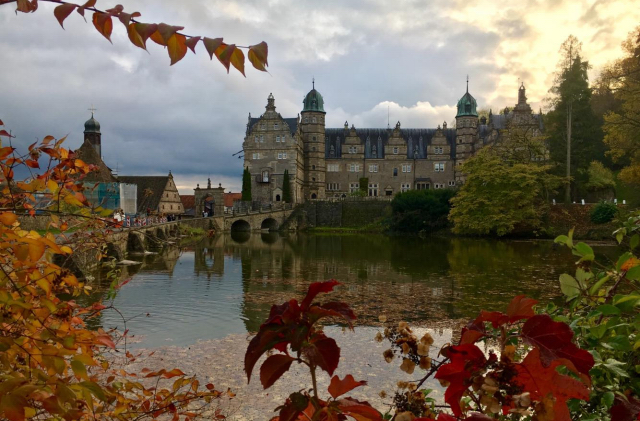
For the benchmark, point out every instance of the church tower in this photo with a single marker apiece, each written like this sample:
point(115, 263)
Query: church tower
point(92, 134)
point(312, 131)
point(466, 131)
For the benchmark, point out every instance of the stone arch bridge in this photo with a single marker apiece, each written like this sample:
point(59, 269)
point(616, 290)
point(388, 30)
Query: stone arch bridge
point(140, 239)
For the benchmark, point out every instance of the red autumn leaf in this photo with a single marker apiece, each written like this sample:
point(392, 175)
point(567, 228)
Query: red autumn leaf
point(543, 382)
point(176, 47)
point(324, 353)
point(340, 387)
point(27, 6)
point(173, 373)
point(496, 318)
point(315, 289)
point(13, 406)
point(63, 11)
point(477, 416)
point(261, 343)
point(521, 307)
point(5, 134)
point(553, 339)
point(32, 163)
point(465, 360)
point(446, 417)
point(470, 336)
point(105, 340)
point(191, 43)
point(273, 368)
point(212, 45)
point(332, 309)
point(103, 24)
point(258, 56)
point(359, 410)
point(625, 410)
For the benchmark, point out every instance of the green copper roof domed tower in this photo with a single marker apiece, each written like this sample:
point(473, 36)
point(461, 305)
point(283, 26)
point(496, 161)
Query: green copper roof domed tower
point(313, 101)
point(92, 133)
point(467, 104)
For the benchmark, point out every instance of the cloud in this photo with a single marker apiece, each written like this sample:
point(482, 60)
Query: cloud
point(410, 57)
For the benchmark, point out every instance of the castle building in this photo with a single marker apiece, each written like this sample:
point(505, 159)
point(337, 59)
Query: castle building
point(328, 163)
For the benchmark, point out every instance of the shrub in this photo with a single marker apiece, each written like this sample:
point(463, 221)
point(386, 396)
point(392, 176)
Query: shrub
point(421, 210)
point(603, 212)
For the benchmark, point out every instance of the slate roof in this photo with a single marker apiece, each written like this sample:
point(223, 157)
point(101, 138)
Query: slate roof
point(420, 138)
point(150, 189)
point(89, 155)
point(499, 121)
point(291, 122)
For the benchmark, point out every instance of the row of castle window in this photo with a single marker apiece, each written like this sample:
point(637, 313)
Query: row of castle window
point(313, 119)
point(171, 207)
point(373, 168)
point(439, 150)
point(279, 139)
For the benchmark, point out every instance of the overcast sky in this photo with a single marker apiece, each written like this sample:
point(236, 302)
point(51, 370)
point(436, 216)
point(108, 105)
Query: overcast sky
point(410, 57)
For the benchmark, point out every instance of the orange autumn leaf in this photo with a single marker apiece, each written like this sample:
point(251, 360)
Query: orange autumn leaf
point(63, 11)
point(258, 56)
point(630, 263)
point(8, 218)
point(103, 24)
point(176, 47)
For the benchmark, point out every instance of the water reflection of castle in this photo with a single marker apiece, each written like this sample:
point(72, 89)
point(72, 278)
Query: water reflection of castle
point(406, 279)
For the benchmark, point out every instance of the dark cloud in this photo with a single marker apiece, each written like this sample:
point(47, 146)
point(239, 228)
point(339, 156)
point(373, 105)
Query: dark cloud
point(190, 118)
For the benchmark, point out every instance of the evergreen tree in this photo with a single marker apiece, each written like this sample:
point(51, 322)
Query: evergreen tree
point(574, 133)
point(286, 188)
point(246, 185)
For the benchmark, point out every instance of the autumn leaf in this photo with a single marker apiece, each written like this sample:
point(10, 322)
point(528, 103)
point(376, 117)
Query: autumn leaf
point(258, 56)
point(8, 218)
point(125, 18)
point(89, 3)
point(521, 307)
point(212, 45)
point(273, 368)
point(192, 42)
point(339, 387)
point(63, 11)
point(103, 24)
point(237, 59)
point(465, 361)
point(324, 353)
point(27, 6)
point(166, 32)
point(176, 47)
point(542, 381)
point(224, 53)
point(553, 339)
point(359, 410)
point(316, 288)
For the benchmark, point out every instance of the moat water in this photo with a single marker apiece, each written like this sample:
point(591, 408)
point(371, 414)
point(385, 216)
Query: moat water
point(195, 307)
point(225, 285)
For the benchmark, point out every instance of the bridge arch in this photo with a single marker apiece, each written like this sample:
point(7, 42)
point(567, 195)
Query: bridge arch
point(240, 225)
point(269, 224)
point(135, 242)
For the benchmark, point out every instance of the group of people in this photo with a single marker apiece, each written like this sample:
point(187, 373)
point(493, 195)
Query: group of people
point(120, 217)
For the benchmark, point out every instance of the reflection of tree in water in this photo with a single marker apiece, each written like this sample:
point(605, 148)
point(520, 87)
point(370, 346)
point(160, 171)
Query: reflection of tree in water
point(209, 259)
point(434, 280)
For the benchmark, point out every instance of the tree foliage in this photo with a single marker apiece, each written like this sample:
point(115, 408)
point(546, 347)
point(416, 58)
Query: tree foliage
point(574, 133)
point(622, 126)
point(421, 210)
point(507, 187)
point(52, 366)
point(286, 187)
point(169, 36)
point(600, 177)
point(246, 185)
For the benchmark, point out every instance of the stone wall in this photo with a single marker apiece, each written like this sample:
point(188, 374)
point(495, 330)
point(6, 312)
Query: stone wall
point(341, 214)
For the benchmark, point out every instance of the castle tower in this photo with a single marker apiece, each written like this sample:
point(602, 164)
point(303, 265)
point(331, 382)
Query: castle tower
point(466, 131)
point(312, 129)
point(92, 134)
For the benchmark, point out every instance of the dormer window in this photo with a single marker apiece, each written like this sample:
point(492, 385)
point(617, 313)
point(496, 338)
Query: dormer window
point(395, 150)
point(353, 149)
point(332, 152)
point(374, 152)
point(275, 126)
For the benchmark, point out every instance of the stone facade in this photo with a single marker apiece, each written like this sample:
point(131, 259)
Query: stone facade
point(327, 163)
point(209, 200)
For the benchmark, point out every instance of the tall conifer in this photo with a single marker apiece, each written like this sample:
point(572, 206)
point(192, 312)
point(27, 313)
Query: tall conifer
point(246, 185)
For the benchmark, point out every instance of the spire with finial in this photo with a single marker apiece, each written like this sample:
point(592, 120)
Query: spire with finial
point(467, 83)
point(313, 82)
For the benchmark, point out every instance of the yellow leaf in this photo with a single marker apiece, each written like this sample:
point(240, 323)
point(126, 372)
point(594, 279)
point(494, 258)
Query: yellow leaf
point(177, 47)
point(237, 59)
point(52, 186)
point(8, 218)
point(258, 56)
point(44, 284)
